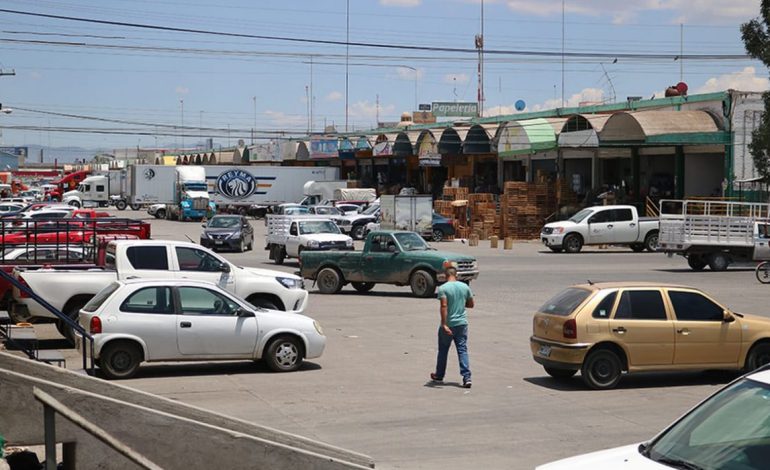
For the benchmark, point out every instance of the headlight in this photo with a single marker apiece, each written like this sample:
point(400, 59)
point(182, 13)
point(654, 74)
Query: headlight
point(313, 244)
point(318, 328)
point(185, 203)
point(235, 235)
point(204, 235)
point(290, 282)
point(557, 230)
point(349, 242)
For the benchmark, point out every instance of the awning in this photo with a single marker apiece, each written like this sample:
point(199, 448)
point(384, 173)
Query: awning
point(582, 130)
point(527, 137)
point(662, 127)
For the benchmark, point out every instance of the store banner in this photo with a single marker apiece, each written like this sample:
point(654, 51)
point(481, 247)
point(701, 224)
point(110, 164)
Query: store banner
point(455, 109)
point(383, 149)
point(428, 153)
point(326, 147)
point(346, 150)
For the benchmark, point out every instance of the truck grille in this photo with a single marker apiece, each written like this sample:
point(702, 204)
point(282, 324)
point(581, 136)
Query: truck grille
point(200, 204)
point(219, 236)
point(332, 245)
point(466, 266)
point(547, 230)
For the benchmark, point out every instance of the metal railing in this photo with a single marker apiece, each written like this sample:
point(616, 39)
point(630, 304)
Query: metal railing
point(76, 327)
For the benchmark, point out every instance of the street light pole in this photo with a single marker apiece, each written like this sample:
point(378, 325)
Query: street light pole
point(347, 59)
point(181, 102)
point(254, 129)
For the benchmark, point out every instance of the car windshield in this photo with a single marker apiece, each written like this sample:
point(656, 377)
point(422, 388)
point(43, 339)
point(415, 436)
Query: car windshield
point(295, 210)
point(410, 241)
point(577, 218)
point(565, 302)
point(371, 210)
point(318, 226)
point(225, 222)
point(730, 430)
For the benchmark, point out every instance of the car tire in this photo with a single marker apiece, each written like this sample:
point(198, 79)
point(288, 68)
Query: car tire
point(422, 283)
point(73, 311)
point(601, 370)
point(651, 242)
point(696, 262)
point(120, 360)
point(358, 232)
point(121, 205)
point(572, 243)
point(279, 256)
point(74, 204)
point(160, 214)
point(362, 286)
point(135, 207)
point(329, 281)
point(758, 356)
point(242, 246)
point(718, 261)
point(284, 354)
point(637, 247)
point(560, 374)
point(556, 249)
point(438, 235)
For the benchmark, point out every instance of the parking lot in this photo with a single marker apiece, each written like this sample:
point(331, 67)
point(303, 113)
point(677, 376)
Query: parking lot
point(370, 391)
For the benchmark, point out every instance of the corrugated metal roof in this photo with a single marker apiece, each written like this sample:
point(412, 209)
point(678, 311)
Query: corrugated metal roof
point(639, 125)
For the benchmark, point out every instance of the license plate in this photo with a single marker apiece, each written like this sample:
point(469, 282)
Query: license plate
point(544, 351)
point(218, 242)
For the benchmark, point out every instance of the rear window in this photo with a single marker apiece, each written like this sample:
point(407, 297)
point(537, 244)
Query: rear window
point(565, 302)
point(97, 300)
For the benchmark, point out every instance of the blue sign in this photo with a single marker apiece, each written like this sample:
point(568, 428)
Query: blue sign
point(520, 105)
point(236, 184)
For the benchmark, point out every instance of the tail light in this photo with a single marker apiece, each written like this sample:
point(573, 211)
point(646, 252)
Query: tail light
point(22, 293)
point(570, 329)
point(95, 326)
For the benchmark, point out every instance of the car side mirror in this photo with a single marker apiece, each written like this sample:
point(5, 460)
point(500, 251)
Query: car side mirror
point(224, 267)
point(244, 313)
point(727, 317)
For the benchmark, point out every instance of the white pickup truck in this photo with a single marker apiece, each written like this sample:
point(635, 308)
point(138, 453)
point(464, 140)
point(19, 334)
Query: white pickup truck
point(69, 290)
point(288, 236)
point(602, 225)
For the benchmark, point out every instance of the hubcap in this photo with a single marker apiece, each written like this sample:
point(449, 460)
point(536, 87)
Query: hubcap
point(602, 370)
point(121, 360)
point(438, 235)
point(420, 283)
point(286, 355)
point(328, 281)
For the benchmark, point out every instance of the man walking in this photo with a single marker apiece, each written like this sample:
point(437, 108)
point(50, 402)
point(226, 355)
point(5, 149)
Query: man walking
point(455, 297)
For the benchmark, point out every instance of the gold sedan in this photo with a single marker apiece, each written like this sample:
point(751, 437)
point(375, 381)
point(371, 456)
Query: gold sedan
point(605, 329)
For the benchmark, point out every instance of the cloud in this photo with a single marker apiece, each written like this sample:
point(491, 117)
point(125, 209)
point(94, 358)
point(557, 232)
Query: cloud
point(182, 90)
point(499, 110)
point(334, 96)
point(680, 11)
point(400, 3)
point(368, 110)
point(459, 78)
point(281, 119)
point(742, 80)
point(587, 95)
point(405, 73)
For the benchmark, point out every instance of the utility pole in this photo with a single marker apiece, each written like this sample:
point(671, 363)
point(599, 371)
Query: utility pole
point(681, 52)
point(480, 47)
point(307, 105)
point(347, 59)
point(312, 97)
point(254, 129)
point(181, 102)
point(563, 29)
point(377, 109)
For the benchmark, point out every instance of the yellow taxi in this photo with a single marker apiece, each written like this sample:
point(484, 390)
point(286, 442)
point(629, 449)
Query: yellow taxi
point(605, 329)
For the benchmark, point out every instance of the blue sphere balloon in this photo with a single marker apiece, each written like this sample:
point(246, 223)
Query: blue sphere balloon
point(520, 105)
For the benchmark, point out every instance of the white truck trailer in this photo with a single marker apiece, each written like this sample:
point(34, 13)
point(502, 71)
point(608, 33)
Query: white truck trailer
point(714, 233)
point(102, 189)
point(182, 188)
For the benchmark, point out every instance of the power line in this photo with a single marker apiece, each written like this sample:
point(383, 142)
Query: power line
point(623, 55)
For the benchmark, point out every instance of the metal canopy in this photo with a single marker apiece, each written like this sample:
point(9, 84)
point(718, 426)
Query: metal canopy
point(657, 126)
point(527, 137)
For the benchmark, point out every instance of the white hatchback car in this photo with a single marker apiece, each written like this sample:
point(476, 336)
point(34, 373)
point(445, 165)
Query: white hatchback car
point(166, 320)
point(728, 430)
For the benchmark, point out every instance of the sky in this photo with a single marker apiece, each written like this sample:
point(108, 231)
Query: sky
point(106, 86)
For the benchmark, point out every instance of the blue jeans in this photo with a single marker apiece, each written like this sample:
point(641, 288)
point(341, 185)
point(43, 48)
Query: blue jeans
point(460, 338)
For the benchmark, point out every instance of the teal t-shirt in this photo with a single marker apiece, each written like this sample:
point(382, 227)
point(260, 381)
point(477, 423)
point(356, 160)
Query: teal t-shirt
point(456, 294)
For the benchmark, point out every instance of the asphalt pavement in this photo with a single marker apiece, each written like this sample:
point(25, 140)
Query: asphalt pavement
point(370, 391)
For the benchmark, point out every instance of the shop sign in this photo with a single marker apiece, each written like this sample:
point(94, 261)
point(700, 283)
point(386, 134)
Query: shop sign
point(430, 159)
point(424, 107)
point(324, 148)
point(455, 109)
point(423, 117)
point(346, 150)
point(383, 149)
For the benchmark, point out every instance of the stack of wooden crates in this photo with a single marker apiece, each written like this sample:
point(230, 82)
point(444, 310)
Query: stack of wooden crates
point(485, 218)
point(526, 206)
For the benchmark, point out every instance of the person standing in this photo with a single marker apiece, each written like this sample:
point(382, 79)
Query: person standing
point(454, 298)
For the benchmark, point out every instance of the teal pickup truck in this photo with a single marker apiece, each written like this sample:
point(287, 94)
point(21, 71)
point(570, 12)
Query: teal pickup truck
point(388, 257)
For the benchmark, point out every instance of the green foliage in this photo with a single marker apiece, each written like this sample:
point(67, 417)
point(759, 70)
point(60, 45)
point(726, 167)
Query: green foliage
point(756, 40)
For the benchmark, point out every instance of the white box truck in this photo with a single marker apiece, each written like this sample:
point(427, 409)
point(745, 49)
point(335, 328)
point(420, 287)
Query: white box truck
point(101, 189)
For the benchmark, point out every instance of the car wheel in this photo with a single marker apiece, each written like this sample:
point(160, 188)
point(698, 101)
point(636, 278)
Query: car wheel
point(120, 360)
point(438, 235)
point(242, 246)
point(262, 302)
point(121, 205)
point(362, 286)
point(696, 262)
point(358, 232)
point(160, 214)
point(280, 255)
point(758, 356)
point(637, 247)
point(601, 370)
point(422, 284)
point(651, 242)
point(718, 261)
point(135, 207)
point(284, 354)
point(329, 281)
point(75, 204)
point(572, 243)
point(73, 311)
point(556, 249)
point(560, 373)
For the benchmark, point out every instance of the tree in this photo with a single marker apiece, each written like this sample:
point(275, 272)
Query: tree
point(756, 40)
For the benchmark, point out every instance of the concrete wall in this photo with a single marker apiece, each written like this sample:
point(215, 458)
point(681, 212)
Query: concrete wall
point(113, 401)
point(746, 114)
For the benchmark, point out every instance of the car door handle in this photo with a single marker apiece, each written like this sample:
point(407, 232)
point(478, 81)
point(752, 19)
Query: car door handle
point(619, 330)
point(632, 224)
point(186, 324)
point(683, 331)
point(610, 226)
